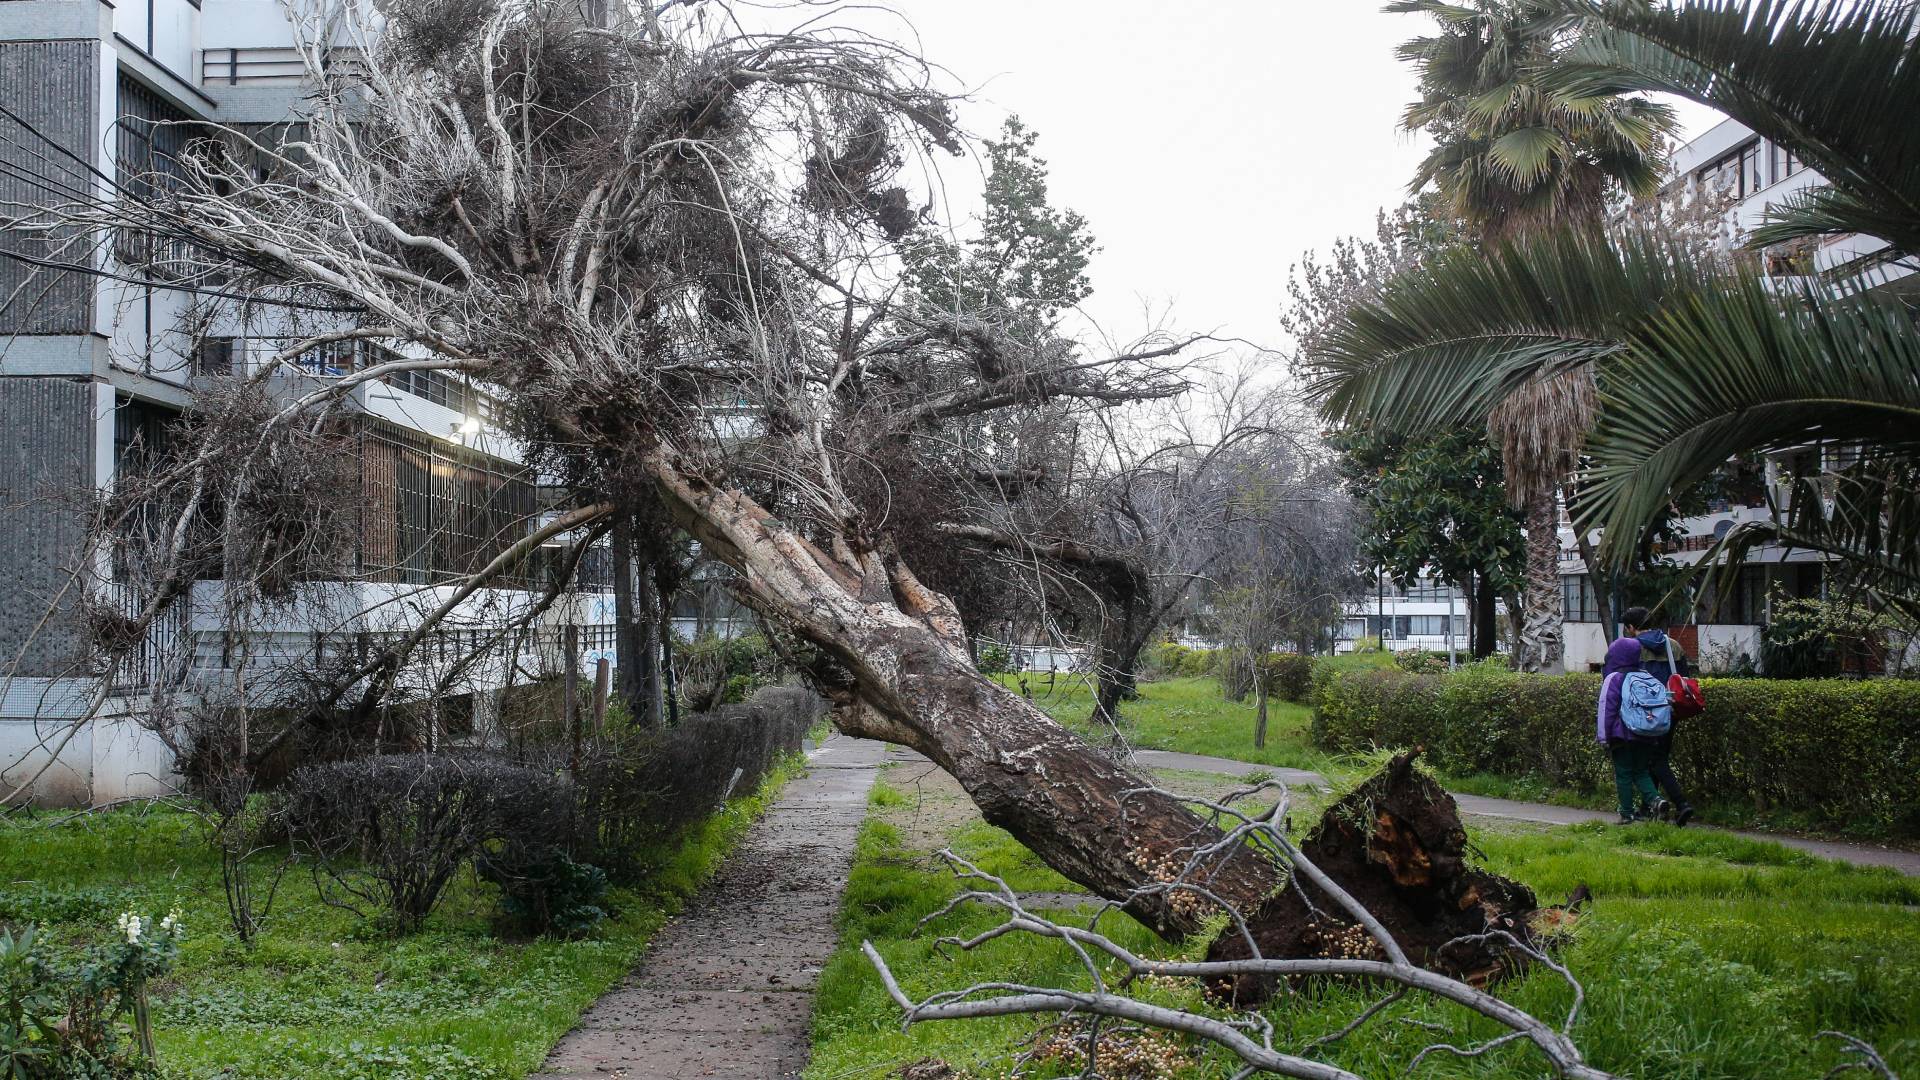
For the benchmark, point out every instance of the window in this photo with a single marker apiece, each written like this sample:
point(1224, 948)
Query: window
point(433, 510)
point(151, 138)
point(1783, 162)
point(1738, 173)
point(214, 357)
point(1577, 599)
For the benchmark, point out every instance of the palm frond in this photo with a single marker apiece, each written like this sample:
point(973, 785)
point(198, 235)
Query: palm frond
point(1867, 519)
point(1836, 81)
point(1528, 155)
point(1743, 369)
point(1447, 342)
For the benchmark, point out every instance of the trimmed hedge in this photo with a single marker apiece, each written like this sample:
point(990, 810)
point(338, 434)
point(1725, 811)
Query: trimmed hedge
point(1172, 660)
point(1844, 754)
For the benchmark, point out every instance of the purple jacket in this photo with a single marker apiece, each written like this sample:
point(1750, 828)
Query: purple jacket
point(1622, 656)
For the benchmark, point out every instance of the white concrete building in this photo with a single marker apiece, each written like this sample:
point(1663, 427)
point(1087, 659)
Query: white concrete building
point(93, 372)
point(1756, 174)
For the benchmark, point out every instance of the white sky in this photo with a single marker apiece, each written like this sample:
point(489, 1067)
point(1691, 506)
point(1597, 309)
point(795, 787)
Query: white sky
point(1208, 144)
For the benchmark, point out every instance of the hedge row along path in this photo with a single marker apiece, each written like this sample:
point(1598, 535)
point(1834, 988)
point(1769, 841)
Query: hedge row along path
point(726, 989)
point(1907, 862)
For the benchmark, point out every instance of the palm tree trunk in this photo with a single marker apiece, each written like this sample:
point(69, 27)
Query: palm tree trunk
point(1542, 640)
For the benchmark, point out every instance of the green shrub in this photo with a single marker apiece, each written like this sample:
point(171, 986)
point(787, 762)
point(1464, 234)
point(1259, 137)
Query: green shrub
point(1288, 676)
point(1421, 662)
point(1369, 644)
point(1171, 660)
point(995, 659)
point(1844, 754)
point(552, 895)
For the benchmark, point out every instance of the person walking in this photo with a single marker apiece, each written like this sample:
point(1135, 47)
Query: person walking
point(1629, 752)
point(1666, 661)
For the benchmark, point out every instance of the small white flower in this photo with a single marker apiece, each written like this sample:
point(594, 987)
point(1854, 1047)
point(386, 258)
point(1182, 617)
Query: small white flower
point(129, 924)
point(171, 923)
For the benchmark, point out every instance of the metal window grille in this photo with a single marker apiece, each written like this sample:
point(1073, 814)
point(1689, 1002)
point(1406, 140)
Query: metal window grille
point(151, 139)
point(433, 511)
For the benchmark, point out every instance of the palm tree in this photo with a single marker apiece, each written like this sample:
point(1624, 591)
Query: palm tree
point(1700, 359)
point(1514, 154)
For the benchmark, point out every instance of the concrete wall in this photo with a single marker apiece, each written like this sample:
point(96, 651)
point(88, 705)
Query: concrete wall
point(47, 452)
point(108, 759)
point(53, 86)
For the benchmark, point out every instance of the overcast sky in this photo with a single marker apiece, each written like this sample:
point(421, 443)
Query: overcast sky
point(1209, 144)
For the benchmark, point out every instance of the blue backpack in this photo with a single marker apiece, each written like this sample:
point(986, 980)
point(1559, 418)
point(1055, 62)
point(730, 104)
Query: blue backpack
point(1646, 706)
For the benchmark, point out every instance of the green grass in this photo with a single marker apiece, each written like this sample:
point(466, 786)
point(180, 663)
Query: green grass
point(321, 993)
point(1704, 957)
point(1189, 715)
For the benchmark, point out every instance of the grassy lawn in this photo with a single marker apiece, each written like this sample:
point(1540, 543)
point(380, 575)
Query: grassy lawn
point(1186, 714)
point(1705, 956)
point(321, 993)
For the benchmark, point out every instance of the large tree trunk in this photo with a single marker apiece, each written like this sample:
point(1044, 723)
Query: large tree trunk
point(635, 643)
point(1123, 635)
point(906, 679)
point(1486, 618)
point(1541, 646)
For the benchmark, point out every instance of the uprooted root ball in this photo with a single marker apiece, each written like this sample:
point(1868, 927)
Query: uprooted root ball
point(1397, 846)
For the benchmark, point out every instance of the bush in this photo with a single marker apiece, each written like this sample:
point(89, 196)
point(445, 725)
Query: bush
point(1288, 676)
point(1421, 662)
point(649, 785)
point(711, 670)
point(390, 832)
point(550, 895)
point(1171, 660)
point(995, 659)
point(1842, 753)
point(61, 1022)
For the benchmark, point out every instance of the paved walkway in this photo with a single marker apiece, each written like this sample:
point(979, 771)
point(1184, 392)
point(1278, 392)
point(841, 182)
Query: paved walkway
point(726, 988)
point(1907, 862)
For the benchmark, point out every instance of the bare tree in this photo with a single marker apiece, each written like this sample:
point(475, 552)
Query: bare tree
point(667, 246)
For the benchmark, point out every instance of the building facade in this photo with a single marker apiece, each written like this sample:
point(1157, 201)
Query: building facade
point(96, 370)
point(1724, 631)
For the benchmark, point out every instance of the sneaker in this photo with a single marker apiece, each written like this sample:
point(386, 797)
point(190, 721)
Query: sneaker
point(1630, 819)
point(1685, 815)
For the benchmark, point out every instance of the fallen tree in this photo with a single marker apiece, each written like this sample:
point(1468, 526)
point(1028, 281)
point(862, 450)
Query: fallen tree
point(664, 245)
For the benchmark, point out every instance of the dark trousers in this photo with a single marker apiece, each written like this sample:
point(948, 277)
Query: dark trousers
point(1660, 767)
point(1630, 775)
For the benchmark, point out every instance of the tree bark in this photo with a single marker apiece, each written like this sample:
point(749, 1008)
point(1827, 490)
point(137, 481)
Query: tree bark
point(1260, 708)
point(1541, 646)
point(906, 679)
point(1486, 618)
point(635, 645)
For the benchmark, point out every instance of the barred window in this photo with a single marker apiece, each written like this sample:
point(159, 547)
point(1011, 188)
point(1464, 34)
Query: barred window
point(151, 139)
point(1577, 598)
point(433, 511)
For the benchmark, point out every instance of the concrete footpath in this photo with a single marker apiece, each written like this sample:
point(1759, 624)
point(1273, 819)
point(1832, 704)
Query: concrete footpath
point(726, 987)
point(1907, 862)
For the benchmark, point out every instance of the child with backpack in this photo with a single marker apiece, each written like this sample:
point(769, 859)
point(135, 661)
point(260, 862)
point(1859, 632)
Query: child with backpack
point(1634, 711)
point(1668, 665)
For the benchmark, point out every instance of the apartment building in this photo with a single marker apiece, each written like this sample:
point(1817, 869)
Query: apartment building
point(95, 371)
point(1754, 173)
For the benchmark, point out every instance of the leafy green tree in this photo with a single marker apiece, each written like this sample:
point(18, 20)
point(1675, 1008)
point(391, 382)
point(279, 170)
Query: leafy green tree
point(1029, 260)
point(1702, 359)
point(1515, 154)
point(1436, 505)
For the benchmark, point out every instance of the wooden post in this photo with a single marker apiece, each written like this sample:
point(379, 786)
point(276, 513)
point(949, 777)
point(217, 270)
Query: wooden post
point(602, 688)
point(570, 683)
